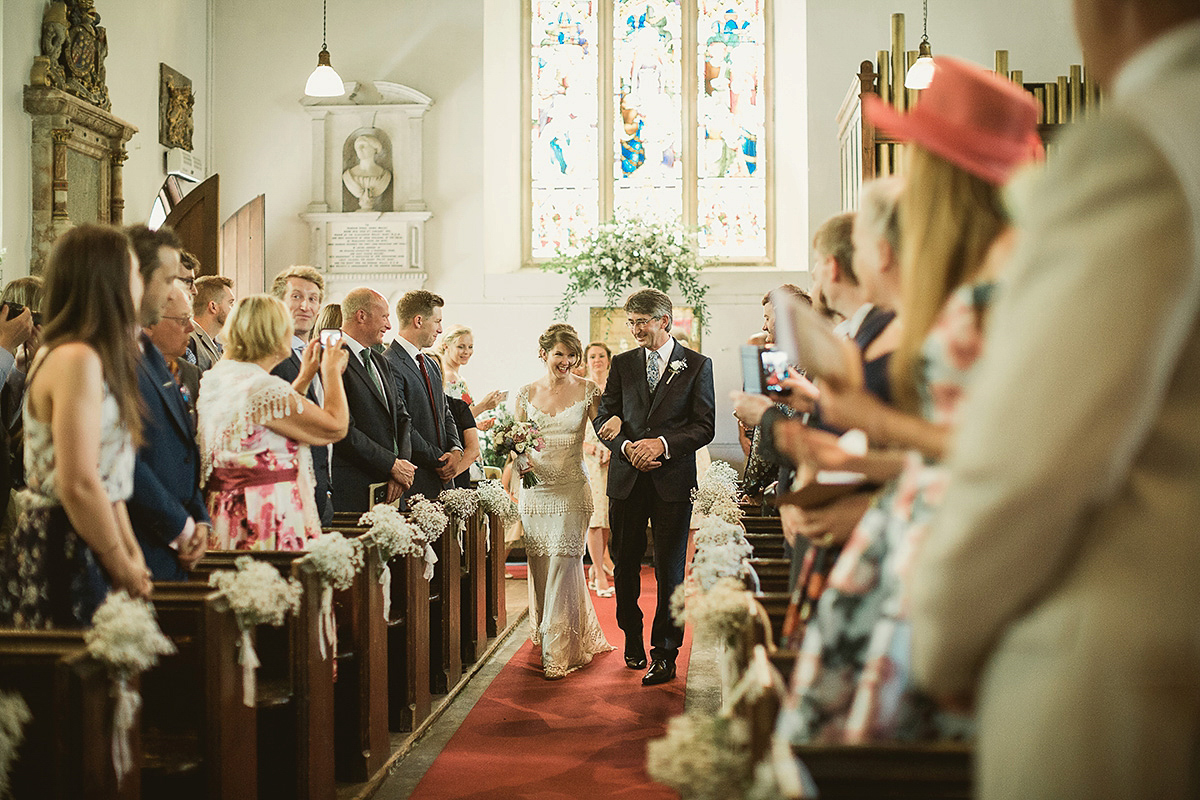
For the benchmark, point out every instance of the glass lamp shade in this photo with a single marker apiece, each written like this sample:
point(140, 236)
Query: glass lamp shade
point(324, 81)
point(921, 72)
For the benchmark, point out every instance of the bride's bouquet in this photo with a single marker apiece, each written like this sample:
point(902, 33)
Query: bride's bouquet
point(519, 438)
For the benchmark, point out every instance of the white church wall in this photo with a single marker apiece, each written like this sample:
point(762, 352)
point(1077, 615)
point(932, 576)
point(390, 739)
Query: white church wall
point(141, 33)
point(1037, 34)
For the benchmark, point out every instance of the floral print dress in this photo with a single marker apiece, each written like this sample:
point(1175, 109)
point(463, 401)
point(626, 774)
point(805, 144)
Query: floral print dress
point(259, 484)
point(852, 680)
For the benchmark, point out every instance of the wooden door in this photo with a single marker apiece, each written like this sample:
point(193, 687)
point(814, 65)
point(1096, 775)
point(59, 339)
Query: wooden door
point(195, 217)
point(244, 247)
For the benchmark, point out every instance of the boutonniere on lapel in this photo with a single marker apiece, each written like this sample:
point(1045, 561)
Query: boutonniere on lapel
point(677, 366)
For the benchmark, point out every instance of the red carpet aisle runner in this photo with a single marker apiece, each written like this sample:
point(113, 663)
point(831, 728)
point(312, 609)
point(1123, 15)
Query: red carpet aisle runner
point(580, 737)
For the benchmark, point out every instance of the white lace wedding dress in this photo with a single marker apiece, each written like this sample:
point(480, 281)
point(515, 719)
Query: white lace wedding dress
point(555, 515)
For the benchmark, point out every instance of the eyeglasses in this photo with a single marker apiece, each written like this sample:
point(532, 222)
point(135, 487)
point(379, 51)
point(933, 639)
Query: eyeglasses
point(183, 321)
point(638, 324)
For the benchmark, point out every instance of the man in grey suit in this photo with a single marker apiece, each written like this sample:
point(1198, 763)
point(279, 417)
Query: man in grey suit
point(210, 309)
point(436, 445)
point(1057, 586)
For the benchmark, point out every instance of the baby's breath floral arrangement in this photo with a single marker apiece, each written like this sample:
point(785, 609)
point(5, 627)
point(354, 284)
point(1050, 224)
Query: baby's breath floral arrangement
point(392, 533)
point(428, 516)
point(393, 536)
point(126, 638)
point(717, 493)
point(702, 757)
point(258, 595)
point(494, 499)
point(720, 561)
point(14, 715)
point(720, 614)
point(460, 504)
point(337, 560)
point(627, 252)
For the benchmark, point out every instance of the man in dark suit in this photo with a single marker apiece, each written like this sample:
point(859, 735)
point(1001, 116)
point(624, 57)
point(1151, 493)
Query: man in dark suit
point(663, 394)
point(170, 336)
point(436, 445)
point(301, 288)
point(378, 445)
point(167, 507)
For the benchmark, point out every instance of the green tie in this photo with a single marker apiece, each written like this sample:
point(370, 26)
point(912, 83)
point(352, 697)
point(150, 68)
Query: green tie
point(370, 367)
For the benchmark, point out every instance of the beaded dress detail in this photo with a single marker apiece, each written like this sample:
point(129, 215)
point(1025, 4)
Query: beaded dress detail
point(555, 516)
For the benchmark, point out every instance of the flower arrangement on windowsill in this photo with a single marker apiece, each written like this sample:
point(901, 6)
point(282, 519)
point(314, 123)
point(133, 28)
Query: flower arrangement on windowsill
point(629, 252)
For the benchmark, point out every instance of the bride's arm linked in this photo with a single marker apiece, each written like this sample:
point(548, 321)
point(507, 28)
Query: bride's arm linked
point(609, 408)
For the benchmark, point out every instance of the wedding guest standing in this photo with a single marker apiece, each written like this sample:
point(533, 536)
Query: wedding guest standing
point(170, 336)
point(167, 506)
point(455, 350)
point(253, 430)
point(436, 448)
point(301, 289)
point(597, 359)
point(210, 309)
point(378, 446)
point(74, 540)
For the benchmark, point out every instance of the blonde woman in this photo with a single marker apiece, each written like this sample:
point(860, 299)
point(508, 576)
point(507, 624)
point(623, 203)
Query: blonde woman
point(455, 349)
point(252, 428)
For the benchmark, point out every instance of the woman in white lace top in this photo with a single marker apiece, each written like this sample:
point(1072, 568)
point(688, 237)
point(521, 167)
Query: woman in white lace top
point(258, 476)
point(74, 541)
point(555, 512)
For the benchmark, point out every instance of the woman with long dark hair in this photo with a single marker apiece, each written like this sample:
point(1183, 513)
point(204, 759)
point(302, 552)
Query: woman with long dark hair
point(74, 541)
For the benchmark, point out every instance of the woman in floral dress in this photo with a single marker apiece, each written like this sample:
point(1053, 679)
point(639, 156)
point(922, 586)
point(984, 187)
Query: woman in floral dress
point(253, 427)
point(852, 678)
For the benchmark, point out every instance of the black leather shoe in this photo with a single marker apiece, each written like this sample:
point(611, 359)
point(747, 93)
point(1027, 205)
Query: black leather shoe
point(660, 671)
point(635, 656)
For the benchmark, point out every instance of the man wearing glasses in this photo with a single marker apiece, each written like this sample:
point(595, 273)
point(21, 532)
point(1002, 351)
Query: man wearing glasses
point(662, 394)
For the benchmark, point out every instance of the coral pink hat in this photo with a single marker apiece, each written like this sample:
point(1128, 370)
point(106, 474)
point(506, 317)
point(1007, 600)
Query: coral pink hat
point(969, 116)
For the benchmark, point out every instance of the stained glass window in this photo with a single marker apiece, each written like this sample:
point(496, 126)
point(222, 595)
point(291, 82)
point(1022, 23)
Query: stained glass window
point(657, 108)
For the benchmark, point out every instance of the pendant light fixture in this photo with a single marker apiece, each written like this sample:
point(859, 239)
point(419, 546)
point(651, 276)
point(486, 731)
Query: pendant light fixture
point(921, 72)
point(324, 81)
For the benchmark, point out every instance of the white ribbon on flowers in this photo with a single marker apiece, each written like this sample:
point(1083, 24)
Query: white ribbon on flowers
point(430, 559)
point(124, 716)
point(462, 528)
point(750, 571)
point(328, 624)
point(249, 661)
point(385, 580)
point(487, 532)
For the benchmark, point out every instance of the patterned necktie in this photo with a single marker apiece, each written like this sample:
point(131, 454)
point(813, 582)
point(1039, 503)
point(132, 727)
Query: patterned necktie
point(653, 371)
point(437, 425)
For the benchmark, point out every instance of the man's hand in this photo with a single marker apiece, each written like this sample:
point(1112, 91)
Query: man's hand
point(395, 490)
point(196, 547)
point(791, 518)
point(16, 331)
point(832, 524)
point(403, 473)
point(802, 393)
point(449, 465)
point(485, 424)
point(749, 408)
point(644, 454)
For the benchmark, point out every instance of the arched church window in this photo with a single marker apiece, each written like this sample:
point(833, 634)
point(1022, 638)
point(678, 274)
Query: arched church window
point(658, 108)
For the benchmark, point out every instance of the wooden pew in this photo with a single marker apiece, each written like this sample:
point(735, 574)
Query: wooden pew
point(766, 545)
point(889, 771)
point(772, 573)
point(361, 741)
point(474, 589)
point(295, 686)
point(445, 615)
point(776, 605)
point(408, 640)
point(67, 751)
point(199, 737)
point(497, 611)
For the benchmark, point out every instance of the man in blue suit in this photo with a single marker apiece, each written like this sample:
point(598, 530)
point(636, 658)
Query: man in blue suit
point(436, 445)
point(167, 508)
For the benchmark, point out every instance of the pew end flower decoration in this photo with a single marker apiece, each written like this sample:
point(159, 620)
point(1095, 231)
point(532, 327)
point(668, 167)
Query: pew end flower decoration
point(494, 499)
point(392, 533)
point(629, 252)
point(14, 715)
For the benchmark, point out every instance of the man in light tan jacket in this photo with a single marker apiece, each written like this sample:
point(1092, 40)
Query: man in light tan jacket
point(1059, 588)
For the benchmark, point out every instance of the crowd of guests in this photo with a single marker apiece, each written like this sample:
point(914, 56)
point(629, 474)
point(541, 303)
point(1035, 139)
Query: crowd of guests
point(165, 416)
point(1001, 566)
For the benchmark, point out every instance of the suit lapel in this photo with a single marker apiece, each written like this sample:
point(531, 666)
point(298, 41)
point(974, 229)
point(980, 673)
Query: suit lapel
point(168, 390)
point(356, 368)
point(664, 381)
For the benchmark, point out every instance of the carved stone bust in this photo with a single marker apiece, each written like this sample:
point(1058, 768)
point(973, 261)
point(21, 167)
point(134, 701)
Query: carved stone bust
point(367, 179)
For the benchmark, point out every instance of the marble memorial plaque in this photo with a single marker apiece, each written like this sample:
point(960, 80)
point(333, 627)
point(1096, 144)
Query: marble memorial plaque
point(367, 246)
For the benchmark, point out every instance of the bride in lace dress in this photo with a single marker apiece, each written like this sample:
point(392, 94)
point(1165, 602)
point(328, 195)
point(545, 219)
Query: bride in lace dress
point(556, 511)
